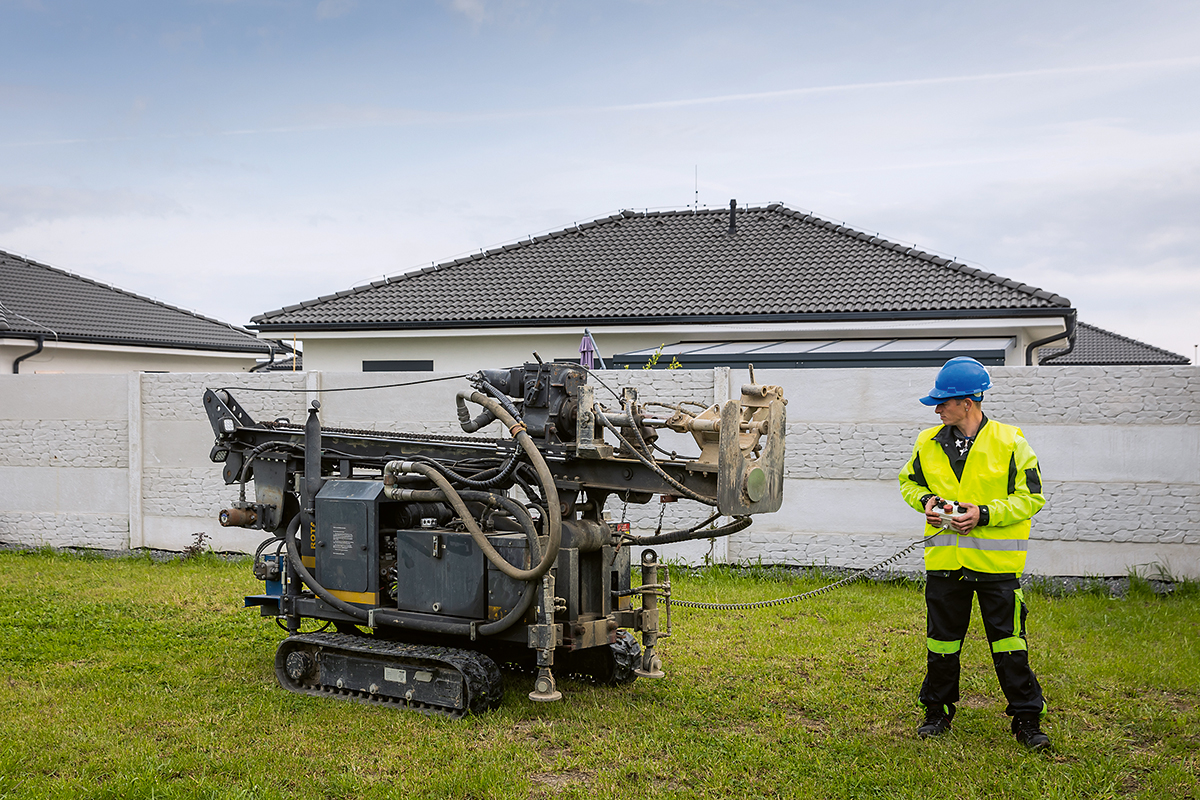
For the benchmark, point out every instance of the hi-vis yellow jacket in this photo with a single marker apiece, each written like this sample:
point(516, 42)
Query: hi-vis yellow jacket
point(1001, 473)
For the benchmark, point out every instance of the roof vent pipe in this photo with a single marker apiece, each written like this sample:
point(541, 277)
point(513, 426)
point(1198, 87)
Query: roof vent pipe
point(732, 217)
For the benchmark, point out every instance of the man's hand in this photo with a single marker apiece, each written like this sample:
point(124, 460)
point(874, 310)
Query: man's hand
point(932, 506)
point(966, 520)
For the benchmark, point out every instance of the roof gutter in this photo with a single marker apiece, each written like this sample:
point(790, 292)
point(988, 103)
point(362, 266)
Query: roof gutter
point(699, 319)
point(1069, 321)
point(41, 342)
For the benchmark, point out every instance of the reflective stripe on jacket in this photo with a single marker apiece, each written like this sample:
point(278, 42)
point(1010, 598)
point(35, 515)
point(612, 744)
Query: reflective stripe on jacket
point(1001, 472)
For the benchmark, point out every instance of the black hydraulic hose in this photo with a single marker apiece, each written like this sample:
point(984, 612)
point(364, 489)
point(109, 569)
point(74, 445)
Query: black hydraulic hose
point(738, 524)
point(455, 499)
point(320, 591)
point(489, 499)
point(499, 474)
point(503, 400)
point(553, 521)
point(527, 486)
point(464, 417)
point(258, 450)
point(389, 617)
point(662, 473)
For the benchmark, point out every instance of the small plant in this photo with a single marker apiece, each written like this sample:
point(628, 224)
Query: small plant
point(198, 547)
point(653, 362)
point(1140, 586)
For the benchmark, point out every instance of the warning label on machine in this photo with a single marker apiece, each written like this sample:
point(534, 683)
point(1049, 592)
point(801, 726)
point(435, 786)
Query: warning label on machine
point(342, 540)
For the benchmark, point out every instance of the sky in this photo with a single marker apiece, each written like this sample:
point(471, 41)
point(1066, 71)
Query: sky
point(236, 156)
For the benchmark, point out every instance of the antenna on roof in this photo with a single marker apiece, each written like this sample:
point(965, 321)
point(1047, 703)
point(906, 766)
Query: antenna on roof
point(696, 206)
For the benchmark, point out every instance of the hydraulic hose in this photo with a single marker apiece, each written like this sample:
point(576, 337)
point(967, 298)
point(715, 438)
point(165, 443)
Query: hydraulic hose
point(452, 496)
point(501, 399)
point(738, 524)
point(464, 416)
point(258, 450)
point(388, 617)
point(494, 476)
point(298, 567)
point(662, 473)
point(545, 478)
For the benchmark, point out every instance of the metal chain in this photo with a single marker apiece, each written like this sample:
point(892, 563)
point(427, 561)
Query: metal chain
point(796, 597)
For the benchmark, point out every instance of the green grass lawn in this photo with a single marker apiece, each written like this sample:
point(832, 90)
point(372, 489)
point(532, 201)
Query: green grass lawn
point(127, 678)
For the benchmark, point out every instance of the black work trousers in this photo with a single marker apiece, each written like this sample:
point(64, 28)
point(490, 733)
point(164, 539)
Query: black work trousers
point(1002, 606)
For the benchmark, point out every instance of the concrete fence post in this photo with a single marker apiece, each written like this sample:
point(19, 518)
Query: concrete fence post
point(136, 531)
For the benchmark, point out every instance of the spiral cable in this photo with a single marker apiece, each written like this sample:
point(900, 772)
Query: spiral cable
point(796, 597)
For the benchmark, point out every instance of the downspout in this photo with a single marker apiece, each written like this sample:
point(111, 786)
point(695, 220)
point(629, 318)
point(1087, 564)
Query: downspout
point(1069, 320)
point(266, 364)
point(41, 342)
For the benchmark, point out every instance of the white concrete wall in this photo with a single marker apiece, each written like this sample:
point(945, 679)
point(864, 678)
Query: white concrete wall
point(122, 460)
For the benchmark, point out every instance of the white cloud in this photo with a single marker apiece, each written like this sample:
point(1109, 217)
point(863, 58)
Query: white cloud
point(23, 205)
point(473, 10)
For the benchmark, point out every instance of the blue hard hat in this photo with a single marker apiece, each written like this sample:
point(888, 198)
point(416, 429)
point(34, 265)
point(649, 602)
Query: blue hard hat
point(959, 377)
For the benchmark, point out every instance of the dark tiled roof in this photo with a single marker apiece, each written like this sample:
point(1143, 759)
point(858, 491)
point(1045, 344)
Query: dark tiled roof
point(293, 363)
point(651, 266)
point(1096, 347)
point(39, 299)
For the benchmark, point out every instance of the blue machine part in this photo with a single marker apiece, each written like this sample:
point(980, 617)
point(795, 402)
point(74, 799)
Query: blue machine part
point(273, 587)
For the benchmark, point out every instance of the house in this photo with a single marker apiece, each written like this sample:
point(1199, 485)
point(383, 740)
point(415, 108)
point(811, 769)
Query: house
point(52, 320)
point(1096, 347)
point(754, 283)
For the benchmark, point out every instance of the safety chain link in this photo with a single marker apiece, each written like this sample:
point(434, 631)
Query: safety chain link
point(796, 597)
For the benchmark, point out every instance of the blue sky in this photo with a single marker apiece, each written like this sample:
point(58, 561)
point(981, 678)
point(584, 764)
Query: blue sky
point(234, 157)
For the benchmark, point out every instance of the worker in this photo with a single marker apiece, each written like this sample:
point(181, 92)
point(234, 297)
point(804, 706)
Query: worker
point(991, 473)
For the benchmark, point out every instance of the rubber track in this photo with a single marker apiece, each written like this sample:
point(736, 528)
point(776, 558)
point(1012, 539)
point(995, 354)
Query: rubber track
point(483, 681)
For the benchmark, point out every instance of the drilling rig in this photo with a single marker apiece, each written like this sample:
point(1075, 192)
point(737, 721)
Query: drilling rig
point(428, 560)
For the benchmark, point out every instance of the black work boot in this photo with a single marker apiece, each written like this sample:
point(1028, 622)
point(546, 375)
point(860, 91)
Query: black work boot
point(1028, 730)
point(937, 722)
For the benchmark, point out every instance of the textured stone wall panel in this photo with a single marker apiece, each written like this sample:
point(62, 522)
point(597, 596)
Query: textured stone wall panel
point(182, 492)
point(820, 550)
point(1097, 395)
point(1151, 513)
point(659, 385)
point(32, 529)
point(180, 396)
point(849, 452)
point(64, 443)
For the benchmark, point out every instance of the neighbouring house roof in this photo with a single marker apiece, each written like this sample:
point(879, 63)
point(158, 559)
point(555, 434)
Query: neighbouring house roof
point(293, 362)
point(1097, 347)
point(671, 266)
point(40, 300)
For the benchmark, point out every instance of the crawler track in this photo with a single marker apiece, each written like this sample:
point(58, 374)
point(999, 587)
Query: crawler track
point(437, 681)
